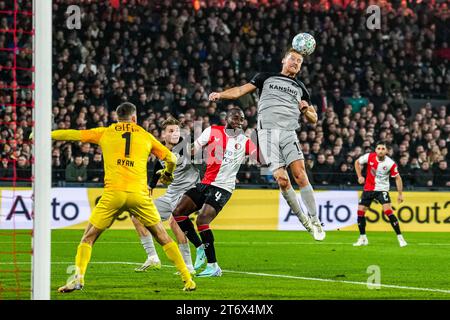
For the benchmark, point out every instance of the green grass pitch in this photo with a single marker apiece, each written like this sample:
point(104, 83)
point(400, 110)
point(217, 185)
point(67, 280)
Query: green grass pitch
point(261, 265)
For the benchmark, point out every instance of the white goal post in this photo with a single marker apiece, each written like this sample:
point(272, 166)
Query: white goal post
point(42, 61)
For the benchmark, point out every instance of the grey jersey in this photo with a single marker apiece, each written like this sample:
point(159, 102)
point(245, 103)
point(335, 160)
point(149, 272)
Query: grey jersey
point(279, 98)
point(185, 174)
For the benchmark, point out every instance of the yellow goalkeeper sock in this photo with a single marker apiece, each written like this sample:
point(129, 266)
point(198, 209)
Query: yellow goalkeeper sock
point(82, 259)
point(174, 254)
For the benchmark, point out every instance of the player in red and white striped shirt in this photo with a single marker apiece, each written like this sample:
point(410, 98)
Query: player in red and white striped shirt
point(225, 148)
point(379, 168)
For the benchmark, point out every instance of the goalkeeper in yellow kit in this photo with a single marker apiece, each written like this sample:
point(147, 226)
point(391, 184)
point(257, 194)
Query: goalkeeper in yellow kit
point(126, 147)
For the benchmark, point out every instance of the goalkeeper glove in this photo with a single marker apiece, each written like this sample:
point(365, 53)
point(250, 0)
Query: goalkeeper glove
point(165, 177)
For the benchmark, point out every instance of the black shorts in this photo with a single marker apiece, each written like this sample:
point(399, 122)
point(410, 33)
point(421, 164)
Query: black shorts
point(209, 194)
point(381, 197)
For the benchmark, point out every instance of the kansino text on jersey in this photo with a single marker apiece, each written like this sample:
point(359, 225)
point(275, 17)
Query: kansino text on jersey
point(124, 162)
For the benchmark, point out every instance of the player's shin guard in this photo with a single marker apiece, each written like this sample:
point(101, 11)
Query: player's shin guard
point(394, 222)
point(82, 258)
point(187, 227)
point(361, 222)
point(174, 254)
point(208, 242)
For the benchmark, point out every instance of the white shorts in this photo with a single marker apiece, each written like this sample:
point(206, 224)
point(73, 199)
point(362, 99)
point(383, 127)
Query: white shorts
point(166, 204)
point(279, 148)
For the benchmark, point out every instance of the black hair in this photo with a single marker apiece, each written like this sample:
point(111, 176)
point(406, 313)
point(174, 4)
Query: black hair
point(125, 110)
point(233, 110)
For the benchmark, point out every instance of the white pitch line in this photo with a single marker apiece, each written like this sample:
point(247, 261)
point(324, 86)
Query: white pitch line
point(239, 243)
point(336, 281)
point(264, 275)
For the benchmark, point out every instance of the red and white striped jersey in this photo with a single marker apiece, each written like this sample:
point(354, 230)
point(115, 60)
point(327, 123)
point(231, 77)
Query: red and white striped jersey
point(224, 155)
point(378, 172)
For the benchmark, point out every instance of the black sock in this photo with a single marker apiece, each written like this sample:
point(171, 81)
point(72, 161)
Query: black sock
point(362, 225)
point(208, 241)
point(188, 228)
point(394, 224)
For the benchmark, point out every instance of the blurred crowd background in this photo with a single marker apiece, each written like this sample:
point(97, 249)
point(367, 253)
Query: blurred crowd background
point(167, 56)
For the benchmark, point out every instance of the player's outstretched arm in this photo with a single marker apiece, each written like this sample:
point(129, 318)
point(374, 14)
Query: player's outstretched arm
point(399, 184)
point(358, 172)
point(232, 93)
point(90, 135)
point(68, 135)
point(309, 111)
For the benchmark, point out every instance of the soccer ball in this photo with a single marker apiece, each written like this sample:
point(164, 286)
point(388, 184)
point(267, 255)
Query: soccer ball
point(304, 43)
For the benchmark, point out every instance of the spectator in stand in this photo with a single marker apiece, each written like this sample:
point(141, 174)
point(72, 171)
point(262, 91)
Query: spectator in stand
point(321, 101)
point(378, 98)
point(95, 169)
point(405, 171)
point(442, 175)
point(321, 171)
point(58, 169)
point(76, 171)
point(357, 101)
point(345, 176)
point(6, 169)
point(332, 169)
point(337, 102)
point(424, 177)
point(23, 169)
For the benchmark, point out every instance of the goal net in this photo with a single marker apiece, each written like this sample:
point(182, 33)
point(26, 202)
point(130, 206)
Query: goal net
point(25, 104)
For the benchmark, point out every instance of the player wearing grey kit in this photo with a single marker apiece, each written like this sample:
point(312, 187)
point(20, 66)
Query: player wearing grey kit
point(185, 178)
point(282, 98)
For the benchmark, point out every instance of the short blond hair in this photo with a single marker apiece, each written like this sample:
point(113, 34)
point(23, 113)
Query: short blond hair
point(292, 50)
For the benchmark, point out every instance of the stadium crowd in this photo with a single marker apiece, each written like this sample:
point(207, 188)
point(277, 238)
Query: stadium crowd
point(166, 58)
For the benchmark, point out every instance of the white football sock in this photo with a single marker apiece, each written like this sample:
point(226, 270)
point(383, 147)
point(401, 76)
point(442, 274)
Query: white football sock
point(291, 198)
point(309, 200)
point(149, 246)
point(186, 253)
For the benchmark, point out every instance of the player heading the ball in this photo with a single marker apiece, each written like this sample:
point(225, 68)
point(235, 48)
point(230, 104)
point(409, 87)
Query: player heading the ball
point(282, 99)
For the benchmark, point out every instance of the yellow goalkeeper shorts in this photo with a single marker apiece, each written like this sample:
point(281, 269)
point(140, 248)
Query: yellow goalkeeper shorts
point(113, 203)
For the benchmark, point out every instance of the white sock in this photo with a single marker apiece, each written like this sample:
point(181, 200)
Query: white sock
point(149, 246)
point(309, 200)
point(186, 253)
point(291, 198)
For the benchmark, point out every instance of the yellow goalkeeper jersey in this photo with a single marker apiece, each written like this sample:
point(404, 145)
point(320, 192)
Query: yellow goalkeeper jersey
point(126, 147)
